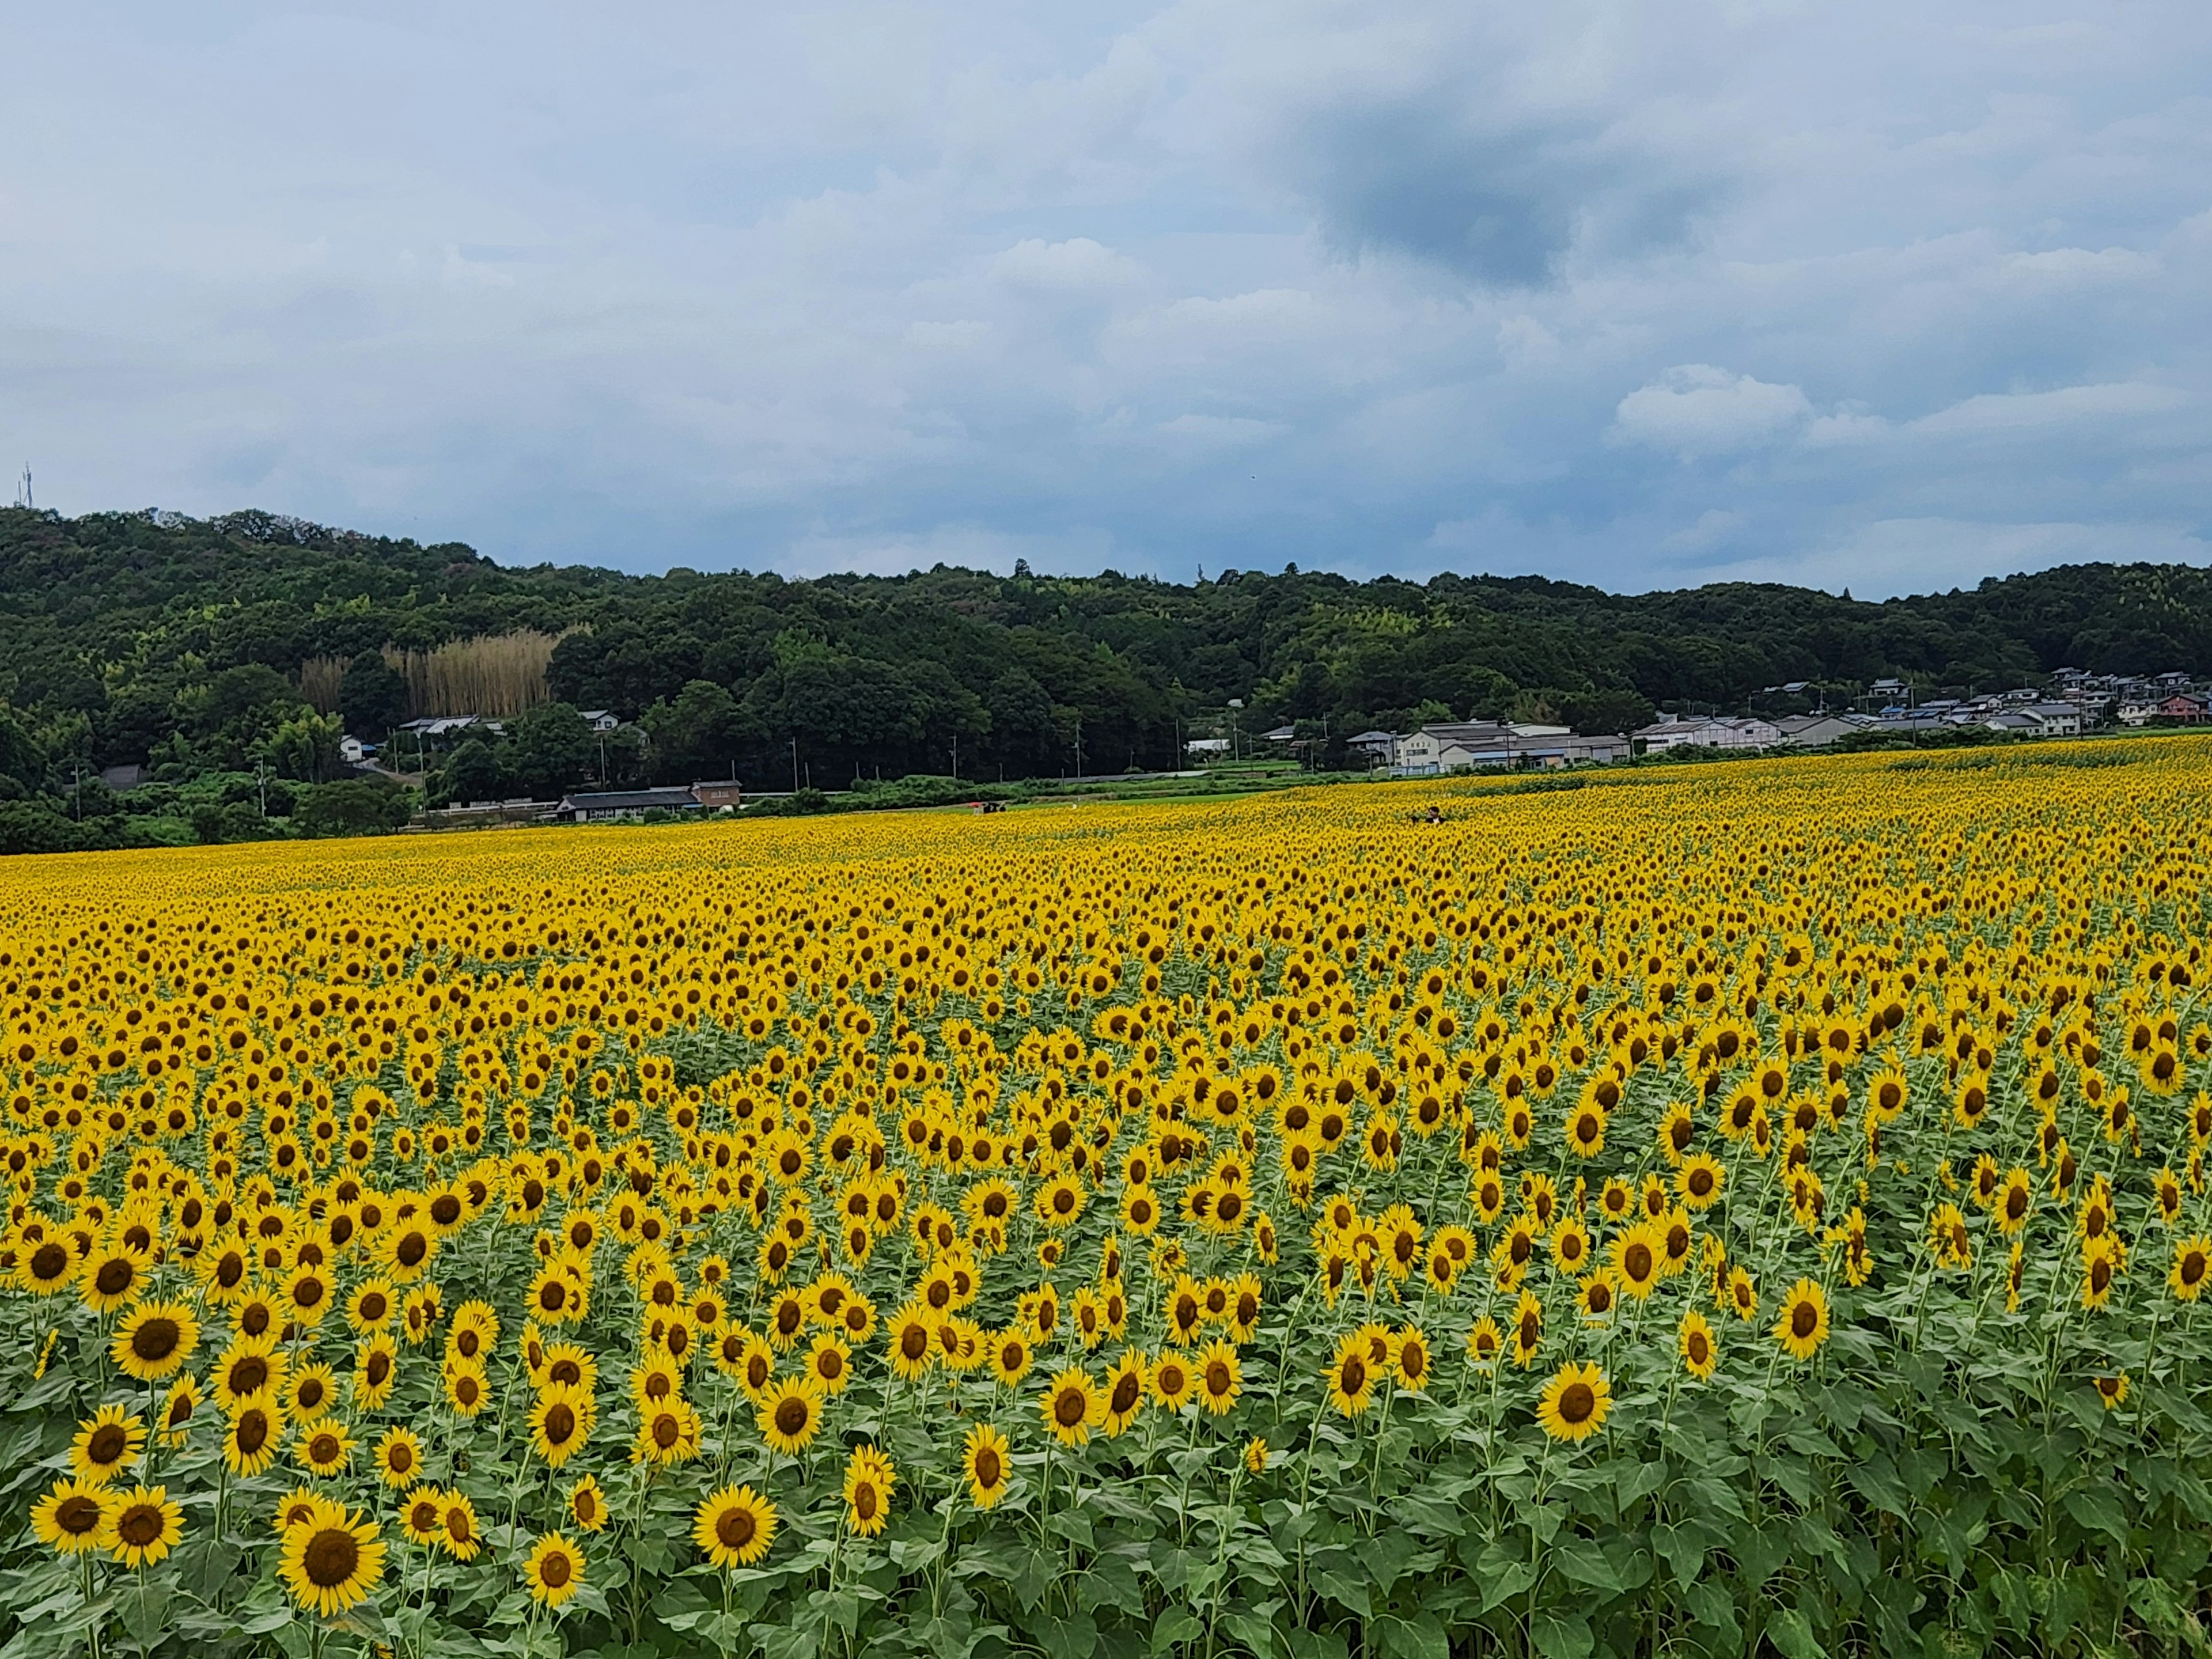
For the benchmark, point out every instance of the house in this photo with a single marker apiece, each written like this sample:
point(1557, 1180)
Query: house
point(1708, 732)
point(723, 793)
point(2059, 719)
point(600, 719)
point(1377, 747)
point(2016, 723)
point(122, 779)
point(608, 806)
point(2188, 710)
point(1812, 731)
point(1465, 747)
point(2137, 711)
point(1430, 750)
point(1211, 748)
point(1280, 734)
point(353, 752)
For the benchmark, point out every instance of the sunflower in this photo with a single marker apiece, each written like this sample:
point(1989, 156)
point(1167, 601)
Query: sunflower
point(71, 1518)
point(1409, 1356)
point(1073, 1407)
point(107, 1443)
point(398, 1457)
point(587, 1504)
point(1350, 1376)
point(1575, 1402)
point(1741, 1295)
point(1173, 1380)
point(1693, 1338)
point(255, 1431)
point(1570, 1246)
point(143, 1526)
point(371, 1306)
point(333, 1559)
point(1639, 1258)
point(422, 1516)
point(1597, 1296)
point(1128, 1381)
point(2113, 1391)
point(829, 1362)
point(1699, 1180)
point(987, 1463)
point(913, 1343)
point(48, 1269)
point(1803, 1325)
point(155, 1339)
point(459, 1534)
point(1011, 1356)
point(1484, 1340)
point(251, 1366)
point(376, 1368)
point(554, 1570)
point(560, 1422)
point(111, 1276)
point(1527, 1329)
point(1220, 1377)
point(2193, 1266)
point(734, 1526)
point(324, 1448)
point(870, 1480)
point(466, 1391)
point(669, 1433)
point(177, 1409)
point(791, 1416)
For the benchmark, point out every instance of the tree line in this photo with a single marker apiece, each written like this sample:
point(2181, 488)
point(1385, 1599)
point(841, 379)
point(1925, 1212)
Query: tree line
point(206, 648)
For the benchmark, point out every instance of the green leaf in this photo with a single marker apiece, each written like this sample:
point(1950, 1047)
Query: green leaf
point(1586, 1563)
point(1175, 1626)
point(1561, 1636)
point(1793, 1636)
point(1684, 1555)
point(1418, 1638)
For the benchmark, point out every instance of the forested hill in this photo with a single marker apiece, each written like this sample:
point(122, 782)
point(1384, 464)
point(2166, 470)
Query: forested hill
point(118, 630)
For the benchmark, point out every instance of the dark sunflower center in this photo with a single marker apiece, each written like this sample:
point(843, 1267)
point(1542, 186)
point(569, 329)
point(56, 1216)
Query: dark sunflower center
point(1577, 1402)
point(330, 1558)
point(735, 1528)
point(1804, 1318)
point(554, 1571)
point(139, 1525)
point(114, 1277)
point(78, 1515)
point(1070, 1408)
point(560, 1422)
point(791, 1415)
point(156, 1339)
point(108, 1443)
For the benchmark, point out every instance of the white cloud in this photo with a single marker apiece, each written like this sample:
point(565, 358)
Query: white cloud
point(1695, 409)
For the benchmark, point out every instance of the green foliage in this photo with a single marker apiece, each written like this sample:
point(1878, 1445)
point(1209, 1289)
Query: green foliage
point(350, 806)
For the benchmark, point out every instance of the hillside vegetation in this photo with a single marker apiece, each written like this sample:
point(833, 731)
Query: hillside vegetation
point(205, 648)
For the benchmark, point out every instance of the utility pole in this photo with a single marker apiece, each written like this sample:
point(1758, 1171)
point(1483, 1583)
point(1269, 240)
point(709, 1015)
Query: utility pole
point(1078, 748)
point(795, 766)
point(76, 770)
point(261, 784)
point(956, 754)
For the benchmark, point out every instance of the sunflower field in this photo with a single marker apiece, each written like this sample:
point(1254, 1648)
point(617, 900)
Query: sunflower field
point(1744, 1210)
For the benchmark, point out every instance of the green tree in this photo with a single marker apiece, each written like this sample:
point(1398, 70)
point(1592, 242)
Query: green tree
point(695, 736)
point(551, 748)
point(350, 806)
point(372, 697)
point(306, 746)
point(474, 771)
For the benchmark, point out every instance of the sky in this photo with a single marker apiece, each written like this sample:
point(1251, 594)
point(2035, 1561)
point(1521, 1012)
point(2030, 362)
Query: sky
point(1884, 298)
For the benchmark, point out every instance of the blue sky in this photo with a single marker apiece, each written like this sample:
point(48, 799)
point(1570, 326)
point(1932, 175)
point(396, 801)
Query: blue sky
point(1887, 297)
